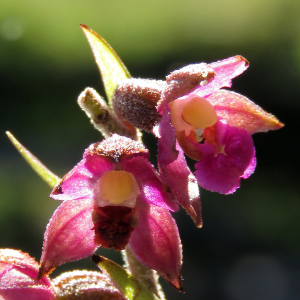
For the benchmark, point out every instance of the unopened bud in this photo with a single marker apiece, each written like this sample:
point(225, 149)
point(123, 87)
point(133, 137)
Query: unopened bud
point(135, 100)
point(102, 117)
point(81, 285)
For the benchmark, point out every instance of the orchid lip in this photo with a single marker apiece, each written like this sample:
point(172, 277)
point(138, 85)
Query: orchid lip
point(199, 113)
point(192, 113)
point(117, 188)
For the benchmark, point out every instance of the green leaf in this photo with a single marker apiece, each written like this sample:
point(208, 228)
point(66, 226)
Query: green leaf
point(131, 288)
point(36, 165)
point(110, 65)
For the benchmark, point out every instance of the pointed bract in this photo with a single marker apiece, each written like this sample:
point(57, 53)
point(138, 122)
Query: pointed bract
point(131, 288)
point(35, 164)
point(110, 65)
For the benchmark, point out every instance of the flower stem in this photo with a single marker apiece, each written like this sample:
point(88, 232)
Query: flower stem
point(145, 275)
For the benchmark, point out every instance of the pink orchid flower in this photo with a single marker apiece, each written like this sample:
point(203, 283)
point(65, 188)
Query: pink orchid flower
point(111, 198)
point(210, 125)
point(18, 278)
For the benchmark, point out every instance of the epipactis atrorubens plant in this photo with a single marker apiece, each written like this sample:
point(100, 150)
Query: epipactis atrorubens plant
point(115, 198)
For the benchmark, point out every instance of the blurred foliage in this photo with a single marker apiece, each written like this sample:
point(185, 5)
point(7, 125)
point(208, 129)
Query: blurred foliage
point(45, 62)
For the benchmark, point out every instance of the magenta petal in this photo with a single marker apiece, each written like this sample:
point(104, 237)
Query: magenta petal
point(151, 188)
point(80, 181)
point(219, 172)
point(156, 243)
point(175, 172)
point(226, 70)
point(27, 293)
point(69, 235)
point(242, 113)
point(18, 277)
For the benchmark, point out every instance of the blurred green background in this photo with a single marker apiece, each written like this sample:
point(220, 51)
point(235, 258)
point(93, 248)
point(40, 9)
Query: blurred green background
point(249, 246)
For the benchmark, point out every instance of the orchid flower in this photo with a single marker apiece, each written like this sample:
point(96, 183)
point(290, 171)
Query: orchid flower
point(195, 117)
point(111, 198)
point(212, 126)
point(18, 278)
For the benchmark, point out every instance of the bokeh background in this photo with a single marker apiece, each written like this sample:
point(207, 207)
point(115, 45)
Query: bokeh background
point(249, 246)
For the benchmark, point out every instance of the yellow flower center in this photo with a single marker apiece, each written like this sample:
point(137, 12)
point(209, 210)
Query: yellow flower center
point(116, 186)
point(199, 113)
point(192, 113)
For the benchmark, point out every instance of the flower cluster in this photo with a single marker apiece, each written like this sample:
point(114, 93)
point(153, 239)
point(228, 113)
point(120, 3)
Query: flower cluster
point(115, 198)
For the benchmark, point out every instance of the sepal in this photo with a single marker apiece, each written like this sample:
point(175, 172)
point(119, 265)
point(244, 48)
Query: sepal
point(155, 242)
point(242, 113)
point(69, 235)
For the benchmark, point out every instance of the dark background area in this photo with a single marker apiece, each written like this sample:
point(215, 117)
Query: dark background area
point(249, 245)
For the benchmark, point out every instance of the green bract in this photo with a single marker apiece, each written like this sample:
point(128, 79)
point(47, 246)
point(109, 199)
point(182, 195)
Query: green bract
point(36, 165)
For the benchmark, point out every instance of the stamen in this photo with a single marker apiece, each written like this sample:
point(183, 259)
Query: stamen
point(199, 113)
point(116, 186)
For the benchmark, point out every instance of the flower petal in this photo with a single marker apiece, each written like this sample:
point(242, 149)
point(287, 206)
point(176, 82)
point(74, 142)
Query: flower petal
point(151, 188)
point(69, 235)
point(156, 243)
point(33, 292)
point(18, 273)
point(80, 181)
point(226, 70)
point(221, 172)
point(175, 172)
point(242, 113)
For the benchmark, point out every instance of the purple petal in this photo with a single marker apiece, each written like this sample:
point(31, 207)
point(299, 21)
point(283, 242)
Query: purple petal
point(156, 243)
point(151, 188)
point(69, 235)
point(80, 181)
point(219, 172)
point(175, 172)
point(226, 70)
point(242, 113)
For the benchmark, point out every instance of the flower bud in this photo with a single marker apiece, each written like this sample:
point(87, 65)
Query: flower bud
point(80, 285)
point(135, 100)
